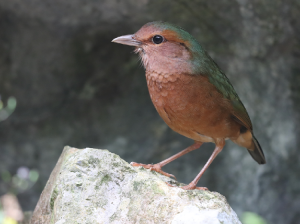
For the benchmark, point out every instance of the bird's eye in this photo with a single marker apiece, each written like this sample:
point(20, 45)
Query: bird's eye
point(157, 39)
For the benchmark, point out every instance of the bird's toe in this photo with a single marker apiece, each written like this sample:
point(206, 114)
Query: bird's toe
point(154, 167)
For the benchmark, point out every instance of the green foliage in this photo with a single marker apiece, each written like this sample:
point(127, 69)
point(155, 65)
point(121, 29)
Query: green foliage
point(11, 105)
point(16, 183)
point(33, 175)
point(5, 176)
point(21, 181)
point(252, 218)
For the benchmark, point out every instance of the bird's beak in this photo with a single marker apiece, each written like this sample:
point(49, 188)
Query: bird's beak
point(127, 40)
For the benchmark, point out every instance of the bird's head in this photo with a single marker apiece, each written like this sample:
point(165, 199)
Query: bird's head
point(166, 48)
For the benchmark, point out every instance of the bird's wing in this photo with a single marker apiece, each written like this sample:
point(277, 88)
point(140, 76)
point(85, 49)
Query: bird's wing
point(223, 85)
point(239, 112)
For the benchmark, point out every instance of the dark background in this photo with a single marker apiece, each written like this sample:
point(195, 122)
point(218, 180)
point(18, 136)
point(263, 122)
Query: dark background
point(74, 87)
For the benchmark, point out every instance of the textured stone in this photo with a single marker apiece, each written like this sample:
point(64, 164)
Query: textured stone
point(96, 186)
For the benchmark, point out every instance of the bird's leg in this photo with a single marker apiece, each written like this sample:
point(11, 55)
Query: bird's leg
point(157, 167)
point(219, 146)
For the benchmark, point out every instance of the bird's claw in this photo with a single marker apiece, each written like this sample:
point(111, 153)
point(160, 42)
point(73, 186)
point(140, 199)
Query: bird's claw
point(192, 186)
point(189, 187)
point(154, 167)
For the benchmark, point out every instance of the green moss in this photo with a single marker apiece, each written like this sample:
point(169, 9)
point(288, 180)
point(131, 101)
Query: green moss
point(125, 168)
point(113, 217)
point(98, 183)
point(128, 169)
point(53, 198)
point(116, 164)
point(137, 185)
point(52, 219)
point(93, 161)
point(196, 194)
point(78, 175)
point(156, 189)
point(105, 179)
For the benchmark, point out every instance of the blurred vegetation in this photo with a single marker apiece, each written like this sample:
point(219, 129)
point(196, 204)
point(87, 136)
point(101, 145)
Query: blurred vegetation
point(5, 112)
point(24, 178)
point(252, 218)
point(6, 220)
point(21, 181)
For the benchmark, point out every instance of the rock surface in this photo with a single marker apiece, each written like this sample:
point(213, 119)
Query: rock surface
point(96, 186)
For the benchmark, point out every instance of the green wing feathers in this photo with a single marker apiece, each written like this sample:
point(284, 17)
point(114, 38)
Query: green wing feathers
point(223, 85)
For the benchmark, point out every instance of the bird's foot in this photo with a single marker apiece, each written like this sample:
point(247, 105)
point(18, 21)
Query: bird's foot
point(155, 167)
point(191, 186)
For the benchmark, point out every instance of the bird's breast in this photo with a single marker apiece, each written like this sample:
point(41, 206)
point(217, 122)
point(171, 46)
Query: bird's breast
point(190, 105)
point(164, 90)
point(179, 93)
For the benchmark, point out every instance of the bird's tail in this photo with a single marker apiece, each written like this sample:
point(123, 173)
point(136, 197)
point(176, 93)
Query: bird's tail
point(248, 141)
point(257, 153)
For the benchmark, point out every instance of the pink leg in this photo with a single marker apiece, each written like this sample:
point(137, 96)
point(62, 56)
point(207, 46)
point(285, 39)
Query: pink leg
point(219, 146)
point(157, 167)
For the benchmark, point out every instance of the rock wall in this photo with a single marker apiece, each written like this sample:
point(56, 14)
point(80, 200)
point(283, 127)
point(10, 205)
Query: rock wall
point(74, 87)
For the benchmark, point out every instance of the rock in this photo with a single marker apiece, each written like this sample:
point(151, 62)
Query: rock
point(96, 186)
point(27, 217)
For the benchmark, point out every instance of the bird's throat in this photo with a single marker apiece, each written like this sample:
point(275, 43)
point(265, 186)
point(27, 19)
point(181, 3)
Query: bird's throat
point(162, 87)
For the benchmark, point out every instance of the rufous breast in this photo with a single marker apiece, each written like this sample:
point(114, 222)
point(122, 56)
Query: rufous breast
point(191, 106)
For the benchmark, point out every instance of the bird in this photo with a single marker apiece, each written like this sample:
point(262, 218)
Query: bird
point(190, 93)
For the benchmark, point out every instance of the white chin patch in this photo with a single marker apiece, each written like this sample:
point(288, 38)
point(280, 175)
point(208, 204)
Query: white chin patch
point(138, 50)
point(144, 57)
